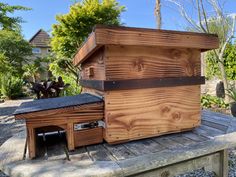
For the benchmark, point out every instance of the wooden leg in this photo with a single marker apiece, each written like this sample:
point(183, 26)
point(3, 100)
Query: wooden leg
point(31, 142)
point(224, 163)
point(70, 136)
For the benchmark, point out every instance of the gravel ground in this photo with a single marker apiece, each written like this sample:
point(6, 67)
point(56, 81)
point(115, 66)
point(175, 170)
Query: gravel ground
point(198, 173)
point(8, 127)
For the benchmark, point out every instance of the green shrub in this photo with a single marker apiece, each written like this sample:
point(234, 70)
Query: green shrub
point(208, 101)
point(232, 94)
point(11, 87)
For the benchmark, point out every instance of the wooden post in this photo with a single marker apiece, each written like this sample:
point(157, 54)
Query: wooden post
point(70, 136)
point(224, 163)
point(31, 142)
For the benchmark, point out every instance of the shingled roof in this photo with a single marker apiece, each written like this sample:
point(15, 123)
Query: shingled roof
point(40, 39)
point(56, 103)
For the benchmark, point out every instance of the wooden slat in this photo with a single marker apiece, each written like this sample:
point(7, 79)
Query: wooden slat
point(207, 132)
point(182, 140)
point(87, 49)
point(99, 153)
point(218, 126)
point(119, 151)
point(138, 62)
point(212, 130)
point(144, 37)
point(142, 113)
point(80, 154)
point(167, 142)
point(194, 137)
point(216, 118)
point(144, 146)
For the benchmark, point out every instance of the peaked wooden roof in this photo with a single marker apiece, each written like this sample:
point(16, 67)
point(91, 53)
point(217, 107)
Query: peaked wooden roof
point(110, 35)
point(40, 39)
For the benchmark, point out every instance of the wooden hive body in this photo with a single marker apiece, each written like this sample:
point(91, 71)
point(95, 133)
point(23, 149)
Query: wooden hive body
point(149, 79)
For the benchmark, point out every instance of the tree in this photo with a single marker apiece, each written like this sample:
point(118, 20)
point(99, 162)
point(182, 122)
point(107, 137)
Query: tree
point(158, 13)
point(33, 69)
point(215, 20)
point(7, 22)
point(73, 28)
point(14, 51)
point(229, 63)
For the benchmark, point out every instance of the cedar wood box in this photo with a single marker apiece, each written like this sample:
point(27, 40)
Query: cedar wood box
point(149, 79)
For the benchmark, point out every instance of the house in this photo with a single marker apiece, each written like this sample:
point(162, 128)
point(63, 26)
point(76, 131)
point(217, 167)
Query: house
point(41, 48)
point(41, 44)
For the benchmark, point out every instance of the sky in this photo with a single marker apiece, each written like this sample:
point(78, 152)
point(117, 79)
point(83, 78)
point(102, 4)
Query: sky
point(139, 13)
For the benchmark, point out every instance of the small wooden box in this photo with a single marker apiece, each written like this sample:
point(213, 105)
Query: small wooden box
point(149, 79)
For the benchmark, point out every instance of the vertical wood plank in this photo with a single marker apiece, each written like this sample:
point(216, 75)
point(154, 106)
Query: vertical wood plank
point(224, 163)
point(31, 142)
point(70, 136)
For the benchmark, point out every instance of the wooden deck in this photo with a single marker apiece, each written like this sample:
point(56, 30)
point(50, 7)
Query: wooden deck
point(204, 146)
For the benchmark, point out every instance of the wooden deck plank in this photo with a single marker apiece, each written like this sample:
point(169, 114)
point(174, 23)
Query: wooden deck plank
point(143, 146)
point(80, 154)
point(214, 125)
point(194, 137)
point(212, 131)
point(216, 117)
point(167, 142)
point(119, 151)
point(182, 140)
point(99, 153)
point(148, 162)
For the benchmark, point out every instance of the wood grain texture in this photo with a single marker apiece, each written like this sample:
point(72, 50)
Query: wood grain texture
point(142, 113)
point(64, 118)
point(87, 49)
point(138, 62)
point(104, 35)
point(88, 137)
point(154, 37)
point(95, 62)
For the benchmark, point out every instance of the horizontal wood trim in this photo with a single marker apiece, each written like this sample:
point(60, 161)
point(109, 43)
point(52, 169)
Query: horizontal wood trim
point(104, 35)
point(142, 83)
point(87, 49)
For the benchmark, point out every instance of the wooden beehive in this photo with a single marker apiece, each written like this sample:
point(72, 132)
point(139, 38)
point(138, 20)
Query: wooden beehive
point(149, 79)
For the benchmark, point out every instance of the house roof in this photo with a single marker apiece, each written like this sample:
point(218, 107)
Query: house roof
point(40, 39)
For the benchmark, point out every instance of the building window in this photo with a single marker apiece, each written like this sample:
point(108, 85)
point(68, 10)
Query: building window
point(49, 50)
point(36, 50)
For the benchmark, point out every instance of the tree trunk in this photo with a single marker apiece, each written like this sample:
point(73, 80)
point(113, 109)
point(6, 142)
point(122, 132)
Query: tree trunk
point(158, 14)
point(34, 78)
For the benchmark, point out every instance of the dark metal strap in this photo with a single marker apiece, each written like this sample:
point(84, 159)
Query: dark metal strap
point(106, 85)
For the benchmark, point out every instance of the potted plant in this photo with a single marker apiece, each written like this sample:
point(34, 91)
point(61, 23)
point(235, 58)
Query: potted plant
point(232, 95)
